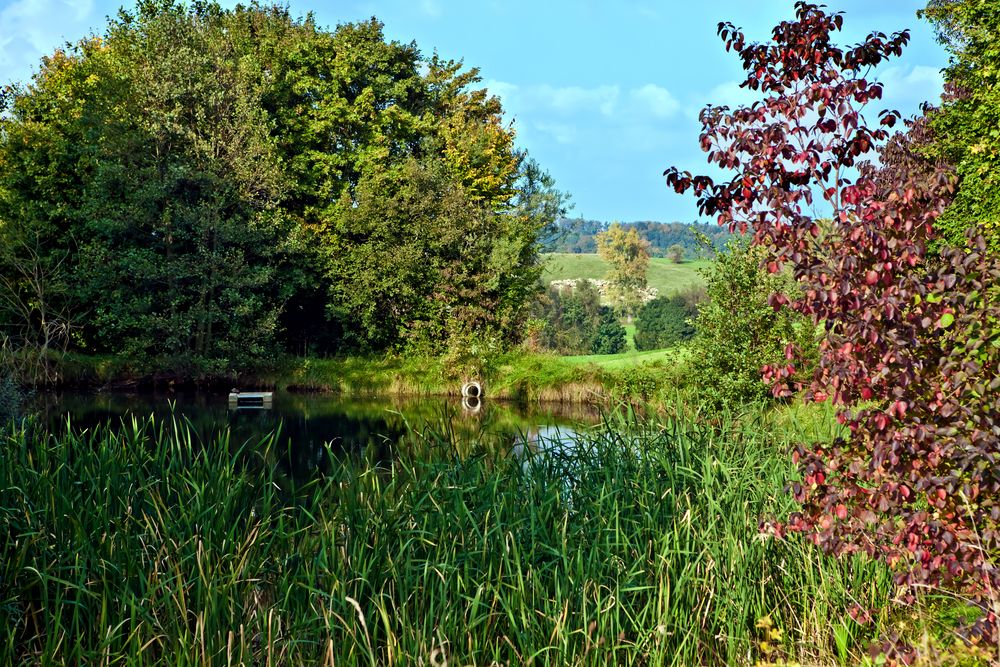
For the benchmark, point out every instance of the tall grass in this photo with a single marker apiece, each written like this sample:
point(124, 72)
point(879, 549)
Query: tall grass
point(636, 543)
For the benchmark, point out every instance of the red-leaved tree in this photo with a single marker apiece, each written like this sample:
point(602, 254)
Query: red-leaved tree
point(912, 338)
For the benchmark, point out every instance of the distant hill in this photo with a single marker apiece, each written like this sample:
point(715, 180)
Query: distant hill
point(577, 236)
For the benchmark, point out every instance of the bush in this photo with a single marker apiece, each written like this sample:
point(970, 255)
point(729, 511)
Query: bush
point(666, 321)
point(738, 333)
point(610, 336)
point(573, 321)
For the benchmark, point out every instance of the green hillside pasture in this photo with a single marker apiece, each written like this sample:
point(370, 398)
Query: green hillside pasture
point(631, 358)
point(664, 275)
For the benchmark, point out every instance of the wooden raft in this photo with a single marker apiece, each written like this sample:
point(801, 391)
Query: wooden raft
point(251, 399)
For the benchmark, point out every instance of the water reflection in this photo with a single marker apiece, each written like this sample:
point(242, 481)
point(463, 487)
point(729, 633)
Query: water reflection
point(313, 427)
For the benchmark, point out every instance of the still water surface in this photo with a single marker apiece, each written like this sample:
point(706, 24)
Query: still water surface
point(313, 426)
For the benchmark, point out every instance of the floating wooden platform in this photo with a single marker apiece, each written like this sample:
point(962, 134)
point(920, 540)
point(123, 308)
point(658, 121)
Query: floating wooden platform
point(251, 399)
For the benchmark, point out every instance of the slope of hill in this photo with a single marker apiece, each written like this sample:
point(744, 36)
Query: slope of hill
point(666, 276)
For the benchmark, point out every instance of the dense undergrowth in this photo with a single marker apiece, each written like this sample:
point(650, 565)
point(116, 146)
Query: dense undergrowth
point(636, 542)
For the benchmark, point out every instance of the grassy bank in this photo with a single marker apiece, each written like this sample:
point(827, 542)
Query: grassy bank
point(637, 543)
point(522, 376)
point(601, 379)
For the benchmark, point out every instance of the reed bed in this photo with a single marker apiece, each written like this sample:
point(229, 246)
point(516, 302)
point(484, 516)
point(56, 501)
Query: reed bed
point(635, 543)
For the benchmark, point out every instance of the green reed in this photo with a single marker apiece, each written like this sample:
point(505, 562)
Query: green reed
point(640, 544)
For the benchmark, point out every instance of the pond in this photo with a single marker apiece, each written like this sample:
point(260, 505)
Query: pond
point(312, 427)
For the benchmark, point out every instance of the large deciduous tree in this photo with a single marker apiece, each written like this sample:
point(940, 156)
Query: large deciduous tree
point(181, 222)
point(41, 149)
point(627, 254)
point(199, 186)
point(964, 127)
point(916, 335)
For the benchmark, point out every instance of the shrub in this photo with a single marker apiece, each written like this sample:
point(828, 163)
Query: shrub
point(610, 336)
point(666, 321)
point(914, 335)
point(573, 321)
point(738, 332)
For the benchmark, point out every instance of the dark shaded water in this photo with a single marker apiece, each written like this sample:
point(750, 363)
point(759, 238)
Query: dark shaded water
point(312, 426)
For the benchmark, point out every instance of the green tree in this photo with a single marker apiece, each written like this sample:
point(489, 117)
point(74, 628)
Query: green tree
point(354, 110)
point(628, 256)
point(738, 332)
point(573, 321)
point(180, 214)
point(964, 127)
point(610, 337)
point(675, 253)
point(44, 158)
point(465, 270)
point(201, 184)
point(666, 321)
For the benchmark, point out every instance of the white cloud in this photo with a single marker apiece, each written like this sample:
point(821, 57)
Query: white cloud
point(559, 100)
point(580, 114)
point(507, 92)
point(658, 101)
point(575, 99)
point(919, 75)
point(33, 28)
point(649, 100)
point(928, 80)
point(904, 88)
point(430, 8)
point(562, 133)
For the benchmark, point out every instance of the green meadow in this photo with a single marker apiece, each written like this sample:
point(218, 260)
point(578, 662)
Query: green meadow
point(664, 275)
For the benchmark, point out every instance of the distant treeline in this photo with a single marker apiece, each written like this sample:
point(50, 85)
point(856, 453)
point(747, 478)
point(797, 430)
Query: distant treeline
point(577, 236)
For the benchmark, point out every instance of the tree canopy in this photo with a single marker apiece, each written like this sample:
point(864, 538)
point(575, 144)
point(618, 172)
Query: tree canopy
point(963, 131)
point(910, 346)
point(209, 186)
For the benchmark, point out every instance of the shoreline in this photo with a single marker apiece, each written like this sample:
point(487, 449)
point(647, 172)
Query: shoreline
point(516, 377)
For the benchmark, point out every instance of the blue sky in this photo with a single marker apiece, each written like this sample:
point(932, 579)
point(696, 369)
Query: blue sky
point(604, 94)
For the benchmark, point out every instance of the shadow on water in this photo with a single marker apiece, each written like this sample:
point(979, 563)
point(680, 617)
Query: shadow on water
point(371, 432)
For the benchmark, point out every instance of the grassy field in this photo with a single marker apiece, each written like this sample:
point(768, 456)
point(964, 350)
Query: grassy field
point(663, 274)
point(626, 359)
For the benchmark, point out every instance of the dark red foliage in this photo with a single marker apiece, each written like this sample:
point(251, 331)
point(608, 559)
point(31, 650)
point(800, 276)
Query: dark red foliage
point(914, 336)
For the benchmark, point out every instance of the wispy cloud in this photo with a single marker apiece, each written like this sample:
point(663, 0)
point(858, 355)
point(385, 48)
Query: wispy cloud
point(430, 8)
point(569, 100)
point(580, 114)
point(907, 87)
point(928, 79)
point(605, 100)
point(561, 133)
point(904, 86)
point(30, 29)
point(730, 94)
point(658, 101)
